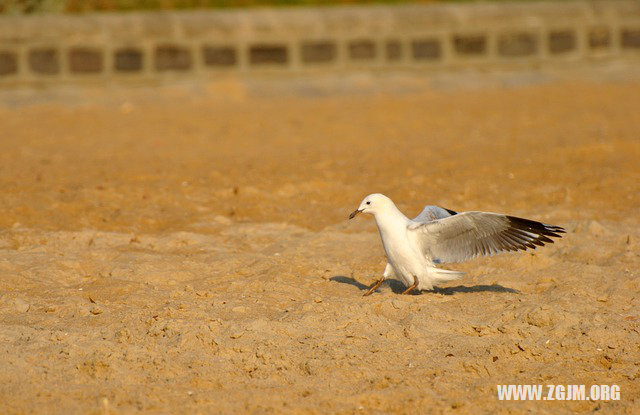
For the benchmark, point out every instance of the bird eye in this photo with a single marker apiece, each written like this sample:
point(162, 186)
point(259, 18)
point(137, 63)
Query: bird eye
point(368, 203)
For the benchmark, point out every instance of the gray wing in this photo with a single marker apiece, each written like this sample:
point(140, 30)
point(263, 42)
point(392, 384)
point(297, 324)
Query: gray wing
point(470, 234)
point(430, 213)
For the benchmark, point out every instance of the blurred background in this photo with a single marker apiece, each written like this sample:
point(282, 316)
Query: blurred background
point(74, 6)
point(175, 180)
point(403, 88)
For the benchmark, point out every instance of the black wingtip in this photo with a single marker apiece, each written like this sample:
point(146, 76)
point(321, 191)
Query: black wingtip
point(533, 226)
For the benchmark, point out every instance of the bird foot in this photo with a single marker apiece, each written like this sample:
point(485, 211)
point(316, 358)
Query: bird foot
point(411, 288)
point(374, 287)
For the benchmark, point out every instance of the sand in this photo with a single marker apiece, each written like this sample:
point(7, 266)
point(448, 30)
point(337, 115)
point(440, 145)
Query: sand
point(186, 249)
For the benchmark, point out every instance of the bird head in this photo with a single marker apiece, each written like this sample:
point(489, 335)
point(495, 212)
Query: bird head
point(372, 204)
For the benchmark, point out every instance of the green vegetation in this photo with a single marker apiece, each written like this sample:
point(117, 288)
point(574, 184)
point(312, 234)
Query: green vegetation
point(80, 6)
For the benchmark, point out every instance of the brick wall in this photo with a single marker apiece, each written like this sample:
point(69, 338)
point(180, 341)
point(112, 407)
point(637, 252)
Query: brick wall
point(54, 48)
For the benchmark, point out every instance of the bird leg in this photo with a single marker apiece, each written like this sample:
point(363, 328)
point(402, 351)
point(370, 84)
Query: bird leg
point(374, 287)
point(413, 287)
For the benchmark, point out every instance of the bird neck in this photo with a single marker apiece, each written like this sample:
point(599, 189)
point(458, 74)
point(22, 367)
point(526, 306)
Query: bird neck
point(390, 218)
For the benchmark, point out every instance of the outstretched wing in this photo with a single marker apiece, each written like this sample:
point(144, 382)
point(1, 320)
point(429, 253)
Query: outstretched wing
point(470, 234)
point(430, 213)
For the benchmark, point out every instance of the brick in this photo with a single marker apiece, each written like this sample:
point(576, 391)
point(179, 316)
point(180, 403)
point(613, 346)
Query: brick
point(158, 25)
point(8, 63)
point(426, 49)
point(85, 60)
point(44, 61)
point(220, 56)
point(318, 51)
point(362, 50)
point(466, 45)
point(599, 37)
point(517, 44)
point(562, 41)
point(393, 50)
point(263, 54)
point(630, 38)
point(128, 60)
point(209, 24)
point(123, 27)
point(172, 58)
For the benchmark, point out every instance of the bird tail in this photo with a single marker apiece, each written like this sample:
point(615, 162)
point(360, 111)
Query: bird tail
point(440, 275)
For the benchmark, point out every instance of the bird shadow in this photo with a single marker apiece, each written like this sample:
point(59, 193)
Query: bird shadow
point(494, 288)
point(398, 288)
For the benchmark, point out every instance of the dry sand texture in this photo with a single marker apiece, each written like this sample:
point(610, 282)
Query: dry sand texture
point(186, 250)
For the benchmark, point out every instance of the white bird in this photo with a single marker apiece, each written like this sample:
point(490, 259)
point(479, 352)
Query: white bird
point(414, 246)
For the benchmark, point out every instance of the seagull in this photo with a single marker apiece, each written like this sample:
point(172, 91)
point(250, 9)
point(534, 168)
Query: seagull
point(437, 235)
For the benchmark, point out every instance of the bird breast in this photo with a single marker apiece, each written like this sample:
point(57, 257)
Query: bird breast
point(402, 255)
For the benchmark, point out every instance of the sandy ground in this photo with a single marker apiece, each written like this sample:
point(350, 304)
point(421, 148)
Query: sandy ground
point(186, 250)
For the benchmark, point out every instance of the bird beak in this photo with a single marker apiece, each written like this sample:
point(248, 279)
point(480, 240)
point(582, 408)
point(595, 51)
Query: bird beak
point(354, 213)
